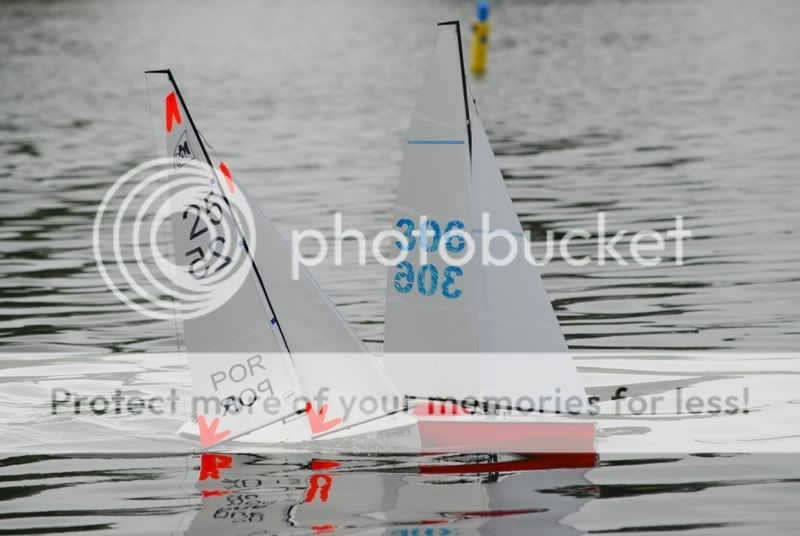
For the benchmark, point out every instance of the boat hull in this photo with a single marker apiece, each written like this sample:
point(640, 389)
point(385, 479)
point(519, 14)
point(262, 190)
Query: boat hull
point(437, 434)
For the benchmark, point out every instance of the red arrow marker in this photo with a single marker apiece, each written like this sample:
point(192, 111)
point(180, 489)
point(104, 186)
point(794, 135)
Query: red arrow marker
point(322, 465)
point(317, 420)
point(173, 112)
point(213, 492)
point(229, 178)
point(212, 464)
point(208, 434)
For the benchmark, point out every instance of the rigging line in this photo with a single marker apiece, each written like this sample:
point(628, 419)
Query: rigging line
point(155, 146)
point(189, 508)
point(464, 86)
point(457, 25)
point(209, 145)
point(274, 317)
point(171, 253)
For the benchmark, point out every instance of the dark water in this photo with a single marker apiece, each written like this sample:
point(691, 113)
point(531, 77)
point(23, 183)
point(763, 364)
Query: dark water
point(642, 110)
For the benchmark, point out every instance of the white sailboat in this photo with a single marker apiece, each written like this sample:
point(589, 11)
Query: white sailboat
point(434, 307)
point(272, 324)
point(498, 317)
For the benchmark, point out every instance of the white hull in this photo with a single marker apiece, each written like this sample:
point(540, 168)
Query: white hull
point(392, 433)
point(415, 434)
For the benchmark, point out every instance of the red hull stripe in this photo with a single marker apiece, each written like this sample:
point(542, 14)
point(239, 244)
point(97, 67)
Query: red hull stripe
point(439, 435)
point(536, 462)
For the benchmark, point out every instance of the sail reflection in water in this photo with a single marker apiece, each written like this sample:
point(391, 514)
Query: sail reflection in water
point(246, 494)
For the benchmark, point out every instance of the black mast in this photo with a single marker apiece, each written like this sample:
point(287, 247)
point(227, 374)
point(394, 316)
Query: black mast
point(463, 80)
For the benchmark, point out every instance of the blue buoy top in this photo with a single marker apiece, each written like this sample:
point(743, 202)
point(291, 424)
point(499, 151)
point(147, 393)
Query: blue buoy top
point(483, 10)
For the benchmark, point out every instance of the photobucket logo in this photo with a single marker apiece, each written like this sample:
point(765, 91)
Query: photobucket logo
point(456, 245)
point(167, 239)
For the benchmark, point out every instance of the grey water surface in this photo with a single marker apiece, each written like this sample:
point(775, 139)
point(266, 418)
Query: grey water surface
point(642, 110)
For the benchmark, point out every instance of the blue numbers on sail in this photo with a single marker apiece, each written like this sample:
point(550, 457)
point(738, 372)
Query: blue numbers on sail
point(455, 242)
point(429, 234)
point(404, 278)
point(427, 279)
point(408, 230)
point(450, 274)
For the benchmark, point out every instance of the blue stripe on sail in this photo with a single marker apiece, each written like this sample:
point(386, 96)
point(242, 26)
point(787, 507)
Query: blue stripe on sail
point(436, 142)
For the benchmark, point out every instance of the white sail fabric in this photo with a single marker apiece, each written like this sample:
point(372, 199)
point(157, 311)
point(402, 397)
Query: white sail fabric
point(514, 311)
point(234, 329)
point(433, 184)
point(309, 319)
point(239, 324)
point(423, 314)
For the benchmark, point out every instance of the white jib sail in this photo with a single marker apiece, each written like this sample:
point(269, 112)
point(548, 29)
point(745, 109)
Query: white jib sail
point(514, 311)
point(332, 362)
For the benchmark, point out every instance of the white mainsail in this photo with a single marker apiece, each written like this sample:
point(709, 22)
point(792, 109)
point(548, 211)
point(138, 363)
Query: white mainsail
point(270, 313)
point(234, 329)
point(503, 310)
point(434, 183)
point(423, 312)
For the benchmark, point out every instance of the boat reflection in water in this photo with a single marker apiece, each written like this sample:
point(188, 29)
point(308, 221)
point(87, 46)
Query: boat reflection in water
point(408, 496)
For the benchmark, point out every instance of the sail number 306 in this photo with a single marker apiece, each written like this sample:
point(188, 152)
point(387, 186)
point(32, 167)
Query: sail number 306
point(426, 278)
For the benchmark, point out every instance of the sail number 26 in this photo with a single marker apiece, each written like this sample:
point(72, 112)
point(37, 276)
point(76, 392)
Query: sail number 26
point(426, 278)
point(213, 214)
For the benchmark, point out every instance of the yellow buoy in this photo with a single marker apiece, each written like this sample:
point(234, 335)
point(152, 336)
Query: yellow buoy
point(479, 50)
